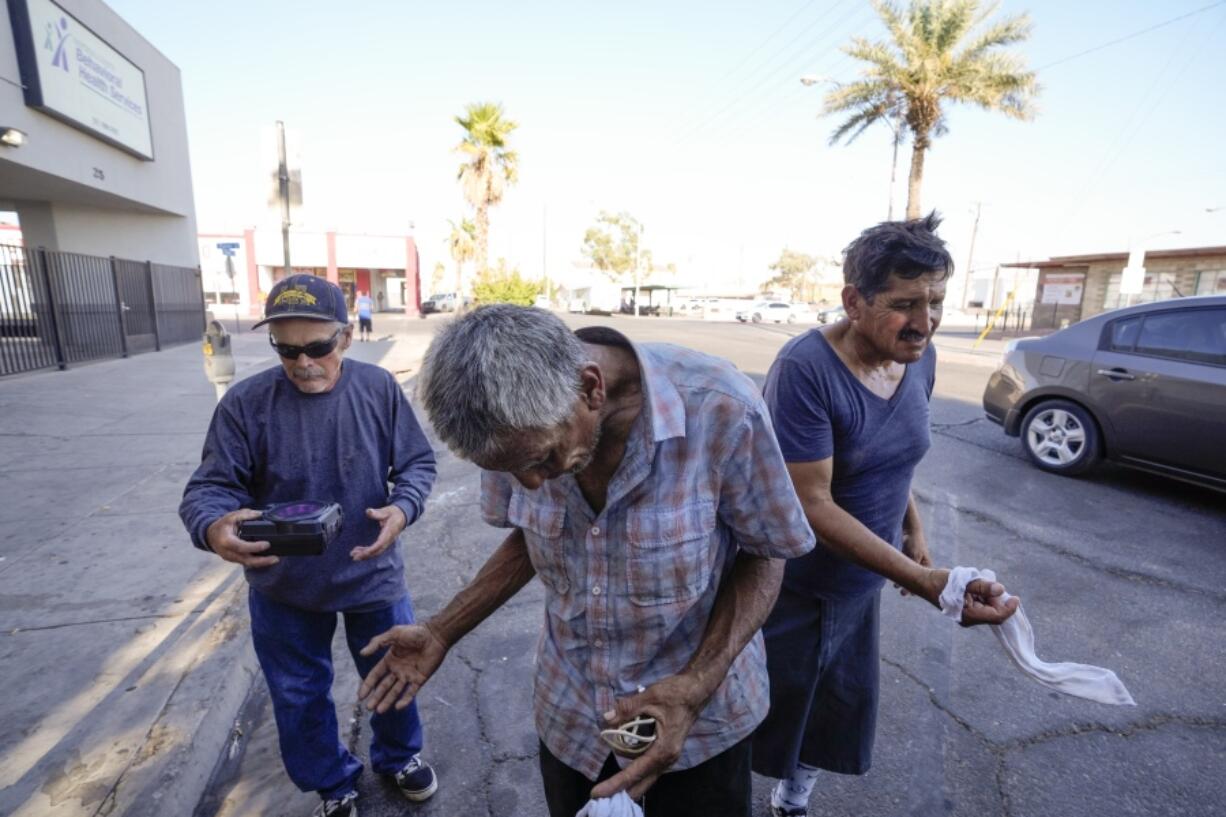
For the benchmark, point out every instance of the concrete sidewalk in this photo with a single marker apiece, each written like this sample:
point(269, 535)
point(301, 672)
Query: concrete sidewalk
point(124, 651)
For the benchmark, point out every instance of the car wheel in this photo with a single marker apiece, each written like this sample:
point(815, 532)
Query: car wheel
point(757, 318)
point(791, 319)
point(1061, 437)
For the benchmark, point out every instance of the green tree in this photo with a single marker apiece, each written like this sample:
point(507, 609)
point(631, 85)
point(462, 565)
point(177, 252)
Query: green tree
point(793, 272)
point(612, 244)
point(505, 286)
point(436, 278)
point(938, 52)
point(462, 244)
point(489, 166)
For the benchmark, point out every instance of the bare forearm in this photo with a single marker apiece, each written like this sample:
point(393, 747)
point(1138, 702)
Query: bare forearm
point(744, 601)
point(911, 523)
point(849, 538)
point(502, 576)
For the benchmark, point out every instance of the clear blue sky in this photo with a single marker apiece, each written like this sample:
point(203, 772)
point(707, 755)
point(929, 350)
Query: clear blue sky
point(691, 116)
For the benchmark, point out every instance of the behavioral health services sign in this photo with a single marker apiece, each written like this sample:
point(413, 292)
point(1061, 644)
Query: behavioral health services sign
point(70, 73)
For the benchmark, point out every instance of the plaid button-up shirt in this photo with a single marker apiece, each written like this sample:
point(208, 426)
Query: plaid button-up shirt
point(629, 591)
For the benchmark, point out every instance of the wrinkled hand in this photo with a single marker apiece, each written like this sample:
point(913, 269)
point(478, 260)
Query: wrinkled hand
point(983, 602)
point(414, 653)
point(222, 538)
point(391, 522)
point(915, 548)
point(675, 703)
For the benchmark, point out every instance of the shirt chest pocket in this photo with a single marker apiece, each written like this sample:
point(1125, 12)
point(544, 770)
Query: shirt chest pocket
point(668, 559)
point(542, 525)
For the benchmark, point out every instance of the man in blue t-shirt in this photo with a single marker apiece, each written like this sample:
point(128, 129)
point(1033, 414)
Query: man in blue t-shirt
point(319, 427)
point(849, 403)
point(364, 306)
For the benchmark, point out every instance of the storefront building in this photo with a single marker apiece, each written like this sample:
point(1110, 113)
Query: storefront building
point(1075, 287)
point(240, 268)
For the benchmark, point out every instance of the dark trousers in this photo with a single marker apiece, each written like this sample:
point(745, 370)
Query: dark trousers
point(822, 657)
point(719, 787)
point(295, 651)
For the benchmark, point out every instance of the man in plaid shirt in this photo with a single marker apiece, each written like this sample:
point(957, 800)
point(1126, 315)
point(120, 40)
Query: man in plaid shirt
point(643, 484)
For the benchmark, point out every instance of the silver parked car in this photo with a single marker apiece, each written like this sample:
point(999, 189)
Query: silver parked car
point(1143, 386)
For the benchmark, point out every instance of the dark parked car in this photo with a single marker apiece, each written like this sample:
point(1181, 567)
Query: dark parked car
point(1143, 386)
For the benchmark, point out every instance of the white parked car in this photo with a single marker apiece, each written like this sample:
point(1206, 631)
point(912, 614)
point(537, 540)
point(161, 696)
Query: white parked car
point(577, 306)
point(768, 312)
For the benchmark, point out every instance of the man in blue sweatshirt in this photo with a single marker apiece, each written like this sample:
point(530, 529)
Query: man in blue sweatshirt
point(322, 428)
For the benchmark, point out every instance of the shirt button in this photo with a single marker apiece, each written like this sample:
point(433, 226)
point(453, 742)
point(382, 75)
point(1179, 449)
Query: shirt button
point(596, 591)
point(595, 531)
point(597, 643)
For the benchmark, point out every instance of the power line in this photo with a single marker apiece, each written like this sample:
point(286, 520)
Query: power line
point(771, 36)
point(1128, 37)
point(788, 65)
point(768, 73)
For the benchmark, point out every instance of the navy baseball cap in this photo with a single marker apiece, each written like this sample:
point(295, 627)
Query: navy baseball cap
point(305, 296)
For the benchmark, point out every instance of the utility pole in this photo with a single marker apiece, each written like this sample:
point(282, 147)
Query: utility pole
point(638, 254)
point(283, 179)
point(970, 257)
point(545, 249)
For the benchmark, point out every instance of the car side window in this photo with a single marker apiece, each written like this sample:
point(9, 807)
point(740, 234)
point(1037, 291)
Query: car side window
point(1122, 335)
point(1197, 335)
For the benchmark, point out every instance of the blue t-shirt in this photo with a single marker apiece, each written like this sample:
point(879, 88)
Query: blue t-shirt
point(819, 410)
point(359, 445)
point(365, 305)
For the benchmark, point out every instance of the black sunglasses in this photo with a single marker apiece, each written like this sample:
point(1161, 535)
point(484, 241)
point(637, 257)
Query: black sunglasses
point(316, 349)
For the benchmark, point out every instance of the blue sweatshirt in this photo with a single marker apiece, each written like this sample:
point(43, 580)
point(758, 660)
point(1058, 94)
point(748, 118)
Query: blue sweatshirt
point(269, 442)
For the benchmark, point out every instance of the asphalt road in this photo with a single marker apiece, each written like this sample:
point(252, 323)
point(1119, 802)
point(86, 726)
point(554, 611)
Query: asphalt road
point(1119, 569)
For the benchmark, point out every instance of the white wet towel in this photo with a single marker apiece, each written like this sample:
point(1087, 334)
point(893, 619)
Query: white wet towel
point(619, 805)
point(1017, 639)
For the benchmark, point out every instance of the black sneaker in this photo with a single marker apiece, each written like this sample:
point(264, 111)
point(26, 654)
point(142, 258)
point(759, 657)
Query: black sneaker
point(346, 806)
point(416, 780)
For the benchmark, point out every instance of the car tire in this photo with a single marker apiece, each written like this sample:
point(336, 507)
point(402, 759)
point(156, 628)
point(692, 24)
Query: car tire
point(757, 318)
point(1061, 437)
point(791, 319)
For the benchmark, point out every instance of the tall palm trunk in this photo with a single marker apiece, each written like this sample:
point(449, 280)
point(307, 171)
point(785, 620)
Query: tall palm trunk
point(482, 220)
point(919, 146)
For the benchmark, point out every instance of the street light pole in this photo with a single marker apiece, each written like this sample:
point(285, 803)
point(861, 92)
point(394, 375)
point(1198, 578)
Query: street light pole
point(892, 118)
point(970, 257)
point(283, 192)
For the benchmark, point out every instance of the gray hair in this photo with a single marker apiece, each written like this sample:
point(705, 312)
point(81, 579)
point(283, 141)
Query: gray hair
point(498, 370)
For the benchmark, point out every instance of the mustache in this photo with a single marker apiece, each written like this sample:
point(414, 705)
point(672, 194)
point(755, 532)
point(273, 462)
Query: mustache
point(908, 334)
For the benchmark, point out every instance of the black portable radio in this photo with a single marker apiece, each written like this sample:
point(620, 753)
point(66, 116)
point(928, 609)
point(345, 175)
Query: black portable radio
point(302, 528)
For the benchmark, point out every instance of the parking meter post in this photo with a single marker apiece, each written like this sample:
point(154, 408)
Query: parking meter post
point(218, 357)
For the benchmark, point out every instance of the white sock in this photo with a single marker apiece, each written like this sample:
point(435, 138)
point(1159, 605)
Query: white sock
point(794, 791)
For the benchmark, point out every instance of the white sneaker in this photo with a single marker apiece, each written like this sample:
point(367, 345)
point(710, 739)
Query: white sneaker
point(778, 809)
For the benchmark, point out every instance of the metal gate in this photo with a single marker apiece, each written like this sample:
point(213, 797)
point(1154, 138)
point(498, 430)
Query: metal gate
point(134, 291)
point(58, 308)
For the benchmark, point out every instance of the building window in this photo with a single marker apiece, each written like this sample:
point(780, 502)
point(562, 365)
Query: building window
point(1211, 283)
point(1159, 286)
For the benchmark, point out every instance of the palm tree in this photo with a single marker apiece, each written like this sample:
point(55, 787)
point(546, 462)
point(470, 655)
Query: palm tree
point(939, 51)
point(462, 243)
point(488, 167)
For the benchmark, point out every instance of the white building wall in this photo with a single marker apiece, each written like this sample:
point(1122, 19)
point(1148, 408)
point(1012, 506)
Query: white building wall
point(101, 200)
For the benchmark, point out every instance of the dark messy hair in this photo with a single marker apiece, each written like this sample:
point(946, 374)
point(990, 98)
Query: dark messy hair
point(907, 249)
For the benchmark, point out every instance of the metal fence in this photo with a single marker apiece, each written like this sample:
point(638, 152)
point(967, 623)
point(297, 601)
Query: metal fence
point(60, 308)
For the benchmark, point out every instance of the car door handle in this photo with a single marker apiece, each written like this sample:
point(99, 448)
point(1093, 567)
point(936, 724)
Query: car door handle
point(1117, 374)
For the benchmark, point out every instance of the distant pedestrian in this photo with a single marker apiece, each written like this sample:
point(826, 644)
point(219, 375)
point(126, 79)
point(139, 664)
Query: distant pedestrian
point(319, 427)
point(379, 298)
point(849, 402)
point(363, 305)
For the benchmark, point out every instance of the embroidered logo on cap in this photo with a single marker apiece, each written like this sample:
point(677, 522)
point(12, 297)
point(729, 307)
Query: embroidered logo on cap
point(297, 296)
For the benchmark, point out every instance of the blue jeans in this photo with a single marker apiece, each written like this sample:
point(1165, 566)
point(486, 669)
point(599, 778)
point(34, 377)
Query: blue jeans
point(295, 651)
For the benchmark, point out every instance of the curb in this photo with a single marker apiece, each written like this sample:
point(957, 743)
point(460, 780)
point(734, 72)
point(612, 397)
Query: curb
point(174, 765)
